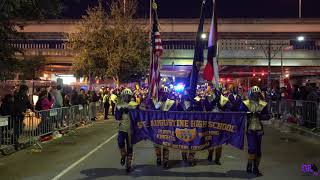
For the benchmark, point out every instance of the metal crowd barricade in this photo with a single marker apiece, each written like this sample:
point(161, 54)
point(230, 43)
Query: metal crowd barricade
point(28, 128)
point(79, 115)
point(302, 113)
point(273, 108)
point(99, 106)
point(92, 110)
point(6, 131)
point(95, 108)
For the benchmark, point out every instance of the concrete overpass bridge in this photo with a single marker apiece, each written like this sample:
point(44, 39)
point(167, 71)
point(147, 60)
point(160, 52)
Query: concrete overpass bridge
point(242, 45)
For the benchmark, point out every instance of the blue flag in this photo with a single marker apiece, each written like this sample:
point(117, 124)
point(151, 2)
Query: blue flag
point(198, 54)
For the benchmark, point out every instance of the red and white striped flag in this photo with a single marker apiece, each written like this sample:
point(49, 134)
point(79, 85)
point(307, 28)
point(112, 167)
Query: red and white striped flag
point(157, 50)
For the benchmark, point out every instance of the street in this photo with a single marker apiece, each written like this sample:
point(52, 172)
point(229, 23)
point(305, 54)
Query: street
point(91, 153)
point(189, 76)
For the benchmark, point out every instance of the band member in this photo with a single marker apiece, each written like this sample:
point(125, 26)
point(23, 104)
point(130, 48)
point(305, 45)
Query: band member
point(186, 101)
point(167, 103)
point(235, 99)
point(258, 111)
point(220, 103)
point(124, 134)
point(196, 105)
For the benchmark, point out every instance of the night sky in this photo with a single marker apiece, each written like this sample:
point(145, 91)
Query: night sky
point(225, 8)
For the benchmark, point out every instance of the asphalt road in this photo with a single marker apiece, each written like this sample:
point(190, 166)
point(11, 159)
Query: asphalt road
point(92, 153)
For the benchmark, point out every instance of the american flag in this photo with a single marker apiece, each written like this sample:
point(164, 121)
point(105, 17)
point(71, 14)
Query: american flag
point(157, 51)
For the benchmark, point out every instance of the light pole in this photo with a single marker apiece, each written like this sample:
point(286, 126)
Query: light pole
point(281, 77)
point(300, 8)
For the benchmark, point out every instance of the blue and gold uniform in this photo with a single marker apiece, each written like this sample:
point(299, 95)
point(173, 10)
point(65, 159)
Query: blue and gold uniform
point(195, 105)
point(165, 104)
point(258, 111)
point(220, 103)
point(235, 99)
point(124, 134)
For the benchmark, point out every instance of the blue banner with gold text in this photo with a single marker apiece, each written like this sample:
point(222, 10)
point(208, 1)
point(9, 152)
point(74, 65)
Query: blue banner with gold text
point(188, 130)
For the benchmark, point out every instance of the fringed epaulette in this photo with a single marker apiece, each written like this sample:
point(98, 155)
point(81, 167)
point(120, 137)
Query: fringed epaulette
point(262, 104)
point(247, 103)
point(223, 100)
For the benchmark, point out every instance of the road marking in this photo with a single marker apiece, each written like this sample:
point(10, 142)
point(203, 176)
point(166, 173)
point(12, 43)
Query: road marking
point(83, 158)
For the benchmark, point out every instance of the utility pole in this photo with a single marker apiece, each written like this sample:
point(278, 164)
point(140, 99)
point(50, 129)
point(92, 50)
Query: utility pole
point(269, 64)
point(281, 78)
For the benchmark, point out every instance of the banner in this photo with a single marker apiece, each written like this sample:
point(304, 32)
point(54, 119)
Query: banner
point(188, 130)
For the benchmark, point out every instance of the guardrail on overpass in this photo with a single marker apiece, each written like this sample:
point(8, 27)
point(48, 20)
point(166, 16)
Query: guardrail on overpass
point(231, 52)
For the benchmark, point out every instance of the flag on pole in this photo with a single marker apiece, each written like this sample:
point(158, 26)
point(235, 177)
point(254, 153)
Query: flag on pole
point(157, 50)
point(209, 70)
point(198, 54)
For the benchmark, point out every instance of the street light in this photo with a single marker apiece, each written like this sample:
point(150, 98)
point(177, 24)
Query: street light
point(203, 36)
point(300, 38)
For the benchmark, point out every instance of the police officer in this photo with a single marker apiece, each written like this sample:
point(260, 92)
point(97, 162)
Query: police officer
point(106, 103)
point(124, 134)
point(258, 111)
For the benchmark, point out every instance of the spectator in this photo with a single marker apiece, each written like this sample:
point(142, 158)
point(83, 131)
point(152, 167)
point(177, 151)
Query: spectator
point(21, 104)
point(7, 106)
point(58, 103)
point(74, 98)
point(35, 96)
point(312, 93)
point(296, 93)
point(44, 102)
point(6, 109)
point(83, 100)
point(303, 93)
point(56, 93)
point(93, 99)
point(311, 106)
point(66, 101)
